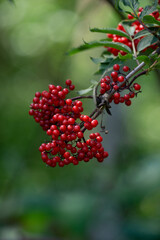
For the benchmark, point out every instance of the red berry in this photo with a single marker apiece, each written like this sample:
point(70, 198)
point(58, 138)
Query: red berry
point(116, 67)
point(137, 87)
point(99, 139)
point(94, 123)
point(130, 16)
point(116, 95)
point(116, 100)
point(68, 82)
point(71, 87)
point(80, 134)
point(126, 96)
point(131, 94)
point(71, 121)
point(128, 102)
point(120, 78)
point(69, 102)
point(125, 68)
point(114, 75)
point(115, 87)
point(78, 103)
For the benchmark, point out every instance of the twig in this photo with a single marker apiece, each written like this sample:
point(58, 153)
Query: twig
point(80, 97)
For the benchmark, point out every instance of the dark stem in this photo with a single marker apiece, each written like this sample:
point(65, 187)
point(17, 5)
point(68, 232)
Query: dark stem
point(138, 75)
point(81, 97)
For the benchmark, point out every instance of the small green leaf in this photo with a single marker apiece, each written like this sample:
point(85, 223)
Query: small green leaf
point(141, 34)
point(109, 66)
point(150, 19)
point(94, 82)
point(110, 30)
point(86, 46)
point(129, 29)
point(144, 58)
point(98, 60)
point(146, 42)
point(125, 57)
point(85, 91)
point(118, 6)
point(149, 9)
point(157, 66)
point(133, 4)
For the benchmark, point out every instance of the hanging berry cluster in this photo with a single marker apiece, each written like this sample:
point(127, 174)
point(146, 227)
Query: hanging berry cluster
point(63, 121)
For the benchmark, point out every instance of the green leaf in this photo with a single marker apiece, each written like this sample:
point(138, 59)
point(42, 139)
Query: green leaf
point(125, 57)
point(149, 9)
point(150, 19)
point(109, 66)
point(133, 4)
point(146, 42)
point(118, 6)
point(98, 60)
point(141, 34)
point(94, 82)
point(110, 30)
point(85, 91)
point(144, 58)
point(129, 29)
point(86, 46)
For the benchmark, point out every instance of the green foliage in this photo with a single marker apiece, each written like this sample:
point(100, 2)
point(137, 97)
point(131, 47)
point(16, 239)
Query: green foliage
point(146, 42)
point(85, 91)
point(144, 58)
point(125, 57)
point(110, 30)
point(151, 20)
point(100, 43)
point(149, 9)
point(129, 29)
point(142, 34)
point(133, 4)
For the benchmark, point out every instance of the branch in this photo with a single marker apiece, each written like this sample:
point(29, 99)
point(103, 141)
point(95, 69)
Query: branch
point(81, 97)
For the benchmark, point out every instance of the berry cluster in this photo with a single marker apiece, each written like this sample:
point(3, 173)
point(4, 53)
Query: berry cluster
point(110, 83)
point(46, 104)
point(62, 120)
point(138, 27)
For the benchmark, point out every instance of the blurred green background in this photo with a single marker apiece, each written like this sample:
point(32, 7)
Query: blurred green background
point(118, 199)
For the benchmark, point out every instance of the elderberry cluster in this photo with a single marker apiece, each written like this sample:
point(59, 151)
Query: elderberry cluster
point(63, 121)
point(138, 27)
point(110, 83)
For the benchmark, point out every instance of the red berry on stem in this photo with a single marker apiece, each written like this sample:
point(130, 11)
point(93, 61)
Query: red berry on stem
point(114, 75)
point(137, 87)
point(94, 123)
point(125, 68)
point(116, 95)
point(68, 82)
point(128, 102)
point(116, 67)
point(120, 78)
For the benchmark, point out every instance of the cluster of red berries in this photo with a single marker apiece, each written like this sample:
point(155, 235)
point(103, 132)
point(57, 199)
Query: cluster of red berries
point(138, 27)
point(62, 120)
point(110, 83)
point(46, 104)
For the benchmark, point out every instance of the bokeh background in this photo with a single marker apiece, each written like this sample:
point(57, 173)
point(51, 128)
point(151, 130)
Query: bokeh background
point(118, 199)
